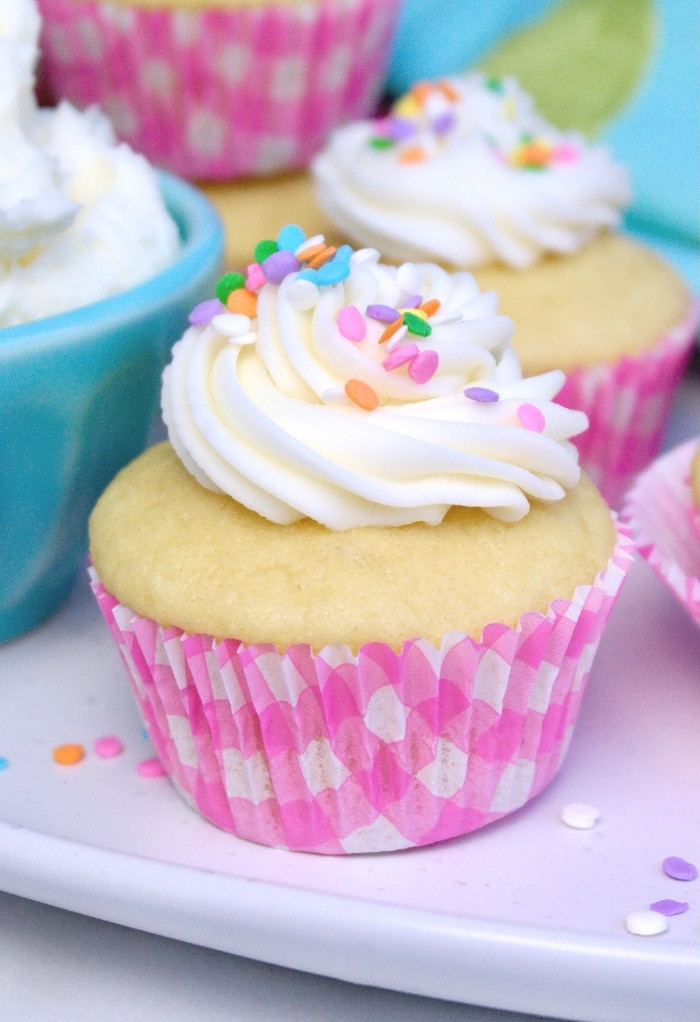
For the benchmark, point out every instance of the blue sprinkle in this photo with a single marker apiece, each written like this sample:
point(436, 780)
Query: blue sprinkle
point(4, 763)
point(343, 253)
point(308, 274)
point(332, 272)
point(290, 237)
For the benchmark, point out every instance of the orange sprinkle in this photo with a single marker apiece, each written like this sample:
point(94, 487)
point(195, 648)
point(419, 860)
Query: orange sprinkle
point(362, 395)
point(390, 330)
point(413, 154)
point(534, 153)
point(322, 257)
point(243, 302)
point(421, 91)
point(430, 307)
point(310, 252)
point(448, 90)
point(69, 754)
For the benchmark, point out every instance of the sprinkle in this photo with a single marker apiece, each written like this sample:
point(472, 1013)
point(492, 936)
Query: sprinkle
point(290, 238)
point(228, 283)
point(424, 366)
point(443, 122)
point(565, 152)
point(364, 255)
point(448, 90)
point(68, 754)
point(430, 307)
point(4, 762)
point(303, 293)
point(400, 356)
point(481, 394)
point(333, 271)
point(448, 317)
point(380, 142)
point(669, 907)
point(406, 106)
point(263, 249)
point(231, 324)
point(362, 395)
point(278, 265)
point(646, 924)
point(220, 324)
point(397, 338)
point(531, 418)
point(409, 278)
point(421, 90)
point(679, 869)
point(150, 768)
point(311, 249)
point(333, 395)
point(411, 302)
point(412, 154)
point(255, 278)
point(317, 239)
point(494, 84)
point(580, 816)
point(203, 313)
point(382, 313)
point(390, 330)
point(322, 257)
point(399, 128)
point(414, 309)
point(417, 325)
point(243, 302)
point(351, 323)
point(108, 747)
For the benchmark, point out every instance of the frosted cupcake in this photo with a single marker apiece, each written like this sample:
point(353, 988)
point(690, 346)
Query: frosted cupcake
point(465, 172)
point(219, 89)
point(663, 510)
point(359, 590)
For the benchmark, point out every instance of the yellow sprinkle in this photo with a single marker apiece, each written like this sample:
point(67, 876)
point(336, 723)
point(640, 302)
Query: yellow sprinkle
point(416, 312)
point(406, 106)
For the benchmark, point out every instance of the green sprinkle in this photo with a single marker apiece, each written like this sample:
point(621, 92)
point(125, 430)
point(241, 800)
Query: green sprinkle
point(228, 283)
point(417, 325)
point(495, 84)
point(263, 249)
point(380, 142)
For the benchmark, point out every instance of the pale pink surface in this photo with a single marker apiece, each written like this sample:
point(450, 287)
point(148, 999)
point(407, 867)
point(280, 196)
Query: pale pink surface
point(220, 93)
point(628, 405)
point(662, 515)
point(337, 753)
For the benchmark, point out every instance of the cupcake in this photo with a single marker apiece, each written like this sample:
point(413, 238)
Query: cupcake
point(663, 511)
point(359, 589)
point(219, 89)
point(465, 172)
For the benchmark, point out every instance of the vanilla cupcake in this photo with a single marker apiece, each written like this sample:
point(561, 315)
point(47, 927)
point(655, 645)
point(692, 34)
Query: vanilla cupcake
point(219, 89)
point(465, 172)
point(359, 591)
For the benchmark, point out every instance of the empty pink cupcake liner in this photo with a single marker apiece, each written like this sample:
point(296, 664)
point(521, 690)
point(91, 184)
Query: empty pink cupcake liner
point(665, 524)
point(628, 405)
point(221, 92)
point(338, 753)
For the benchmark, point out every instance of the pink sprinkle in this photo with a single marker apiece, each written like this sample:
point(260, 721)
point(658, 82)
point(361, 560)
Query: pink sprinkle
point(670, 907)
point(400, 356)
point(531, 418)
point(150, 768)
point(679, 869)
point(351, 323)
point(256, 278)
point(567, 152)
point(424, 366)
point(108, 747)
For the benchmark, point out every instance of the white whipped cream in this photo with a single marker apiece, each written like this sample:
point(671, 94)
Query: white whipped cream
point(466, 172)
point(81, 217)
point(258, 406)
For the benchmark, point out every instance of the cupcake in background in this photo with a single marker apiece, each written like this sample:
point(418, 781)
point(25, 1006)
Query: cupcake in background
point(219, 89)
point(663, 512)
point(465, 171)
point(359, 592)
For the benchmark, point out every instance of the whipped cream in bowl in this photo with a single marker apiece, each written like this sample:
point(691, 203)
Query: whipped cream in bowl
point(325, 384)
point(465, 172)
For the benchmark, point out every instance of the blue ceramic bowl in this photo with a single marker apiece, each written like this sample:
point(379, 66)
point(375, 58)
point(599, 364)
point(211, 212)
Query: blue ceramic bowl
point(79, 393)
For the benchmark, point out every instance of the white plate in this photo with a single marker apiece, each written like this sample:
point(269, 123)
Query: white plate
point(526, 915)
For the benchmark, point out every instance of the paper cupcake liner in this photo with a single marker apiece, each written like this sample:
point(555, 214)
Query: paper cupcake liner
point(665, 523)
point(628, 405)
point(339, 753)
point(222, 92)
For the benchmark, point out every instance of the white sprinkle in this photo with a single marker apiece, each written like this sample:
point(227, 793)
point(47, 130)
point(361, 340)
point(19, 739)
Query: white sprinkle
point(446, 317)
point(334, 396)
point(231, 324)
point(365, 255)
point(244, 339)
point(646, 923)
point(303, 294)
point(409, 279)
point(396, 338)
point(580, 816)
point(317, 239)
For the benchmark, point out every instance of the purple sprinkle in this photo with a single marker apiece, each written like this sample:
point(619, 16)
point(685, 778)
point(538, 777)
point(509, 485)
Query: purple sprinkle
point(383, 313)
point(205, 312)
point(399, 129)
point(444, 122)
point(411, 302)
point(480, 394)
point(278, 265)
point(669, 907)
point(679, 869)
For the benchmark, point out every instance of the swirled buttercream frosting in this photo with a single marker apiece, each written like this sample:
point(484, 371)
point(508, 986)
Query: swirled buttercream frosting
point(324, 384)
point(81, 217)
point(464, 171)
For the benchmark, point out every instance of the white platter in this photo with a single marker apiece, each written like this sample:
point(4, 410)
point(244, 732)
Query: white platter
point(526, 915)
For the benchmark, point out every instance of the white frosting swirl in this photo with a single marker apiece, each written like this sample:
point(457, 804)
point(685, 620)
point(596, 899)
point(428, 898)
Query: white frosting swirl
point(258, 408)
point(81, 217)
point(467, 173)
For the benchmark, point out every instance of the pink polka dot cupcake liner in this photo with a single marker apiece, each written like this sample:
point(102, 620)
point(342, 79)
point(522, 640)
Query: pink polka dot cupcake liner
point(220, 92)
point(665, 524)
point(338, 753)
point(628, 405)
